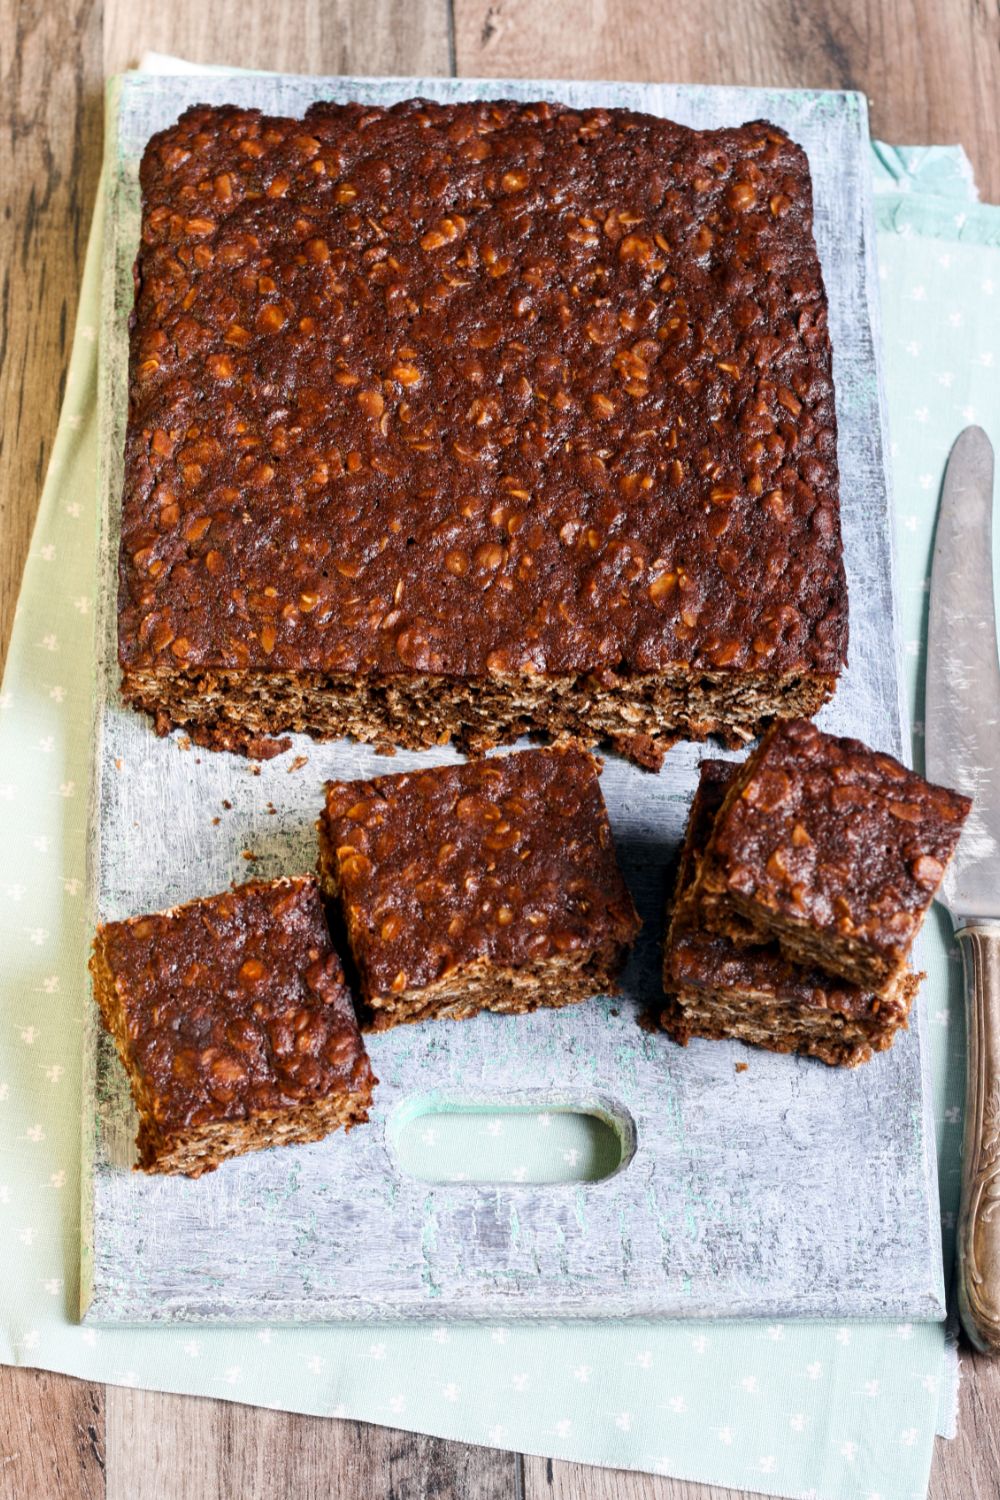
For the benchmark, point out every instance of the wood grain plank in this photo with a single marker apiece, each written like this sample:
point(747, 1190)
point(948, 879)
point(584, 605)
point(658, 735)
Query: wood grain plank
point(968, 1467)
point(51, 1437)
point(336, 36)
point(931, 68)
point(551, 1479)
point(191, 1449)
point(51, 1428)
point(50, 134)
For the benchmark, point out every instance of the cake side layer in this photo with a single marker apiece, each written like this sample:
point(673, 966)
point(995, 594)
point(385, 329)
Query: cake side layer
point(760, 1020)
point(546, 983)
point(203, 1148)
point(640, 716)
point(479, 389)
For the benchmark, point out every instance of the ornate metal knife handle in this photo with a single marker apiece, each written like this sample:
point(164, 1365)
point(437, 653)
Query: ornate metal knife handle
point(979, 1218)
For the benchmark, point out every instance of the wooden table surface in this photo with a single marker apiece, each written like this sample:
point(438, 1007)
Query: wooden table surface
point(931, 69)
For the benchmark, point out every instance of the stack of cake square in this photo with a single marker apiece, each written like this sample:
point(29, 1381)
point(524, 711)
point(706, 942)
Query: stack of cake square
point(805, 875)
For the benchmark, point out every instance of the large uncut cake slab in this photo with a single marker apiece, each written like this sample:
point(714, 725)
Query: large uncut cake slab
point(459, 421)
point(786, 1190)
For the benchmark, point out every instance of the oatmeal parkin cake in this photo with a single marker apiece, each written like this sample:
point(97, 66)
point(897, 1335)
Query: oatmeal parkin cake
point(491, 885)
point(831, 849)
point(461, 420)
point(232, 1020)
point(717, 988)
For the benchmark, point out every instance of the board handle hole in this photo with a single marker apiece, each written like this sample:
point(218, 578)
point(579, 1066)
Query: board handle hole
point(526, 1138)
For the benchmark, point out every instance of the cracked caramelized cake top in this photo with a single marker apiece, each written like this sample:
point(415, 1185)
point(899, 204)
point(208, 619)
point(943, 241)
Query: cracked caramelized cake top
point(697, 958)
point(479, 389)
point(822, 839)
point(507, 861)
point(230, 1007)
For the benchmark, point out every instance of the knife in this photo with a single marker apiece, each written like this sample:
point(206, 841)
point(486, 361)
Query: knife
point(962, 730)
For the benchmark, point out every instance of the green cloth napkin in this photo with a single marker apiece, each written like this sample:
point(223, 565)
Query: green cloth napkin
point(792, 1409)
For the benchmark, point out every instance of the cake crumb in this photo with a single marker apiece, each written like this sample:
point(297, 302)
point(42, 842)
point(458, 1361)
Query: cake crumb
point(643, 749)
point(742, 1067)
point(216, 821)
point(264, 747)
point(184, 742)
point(234, 739)
point(298, 763)
point(227, 804)
point(249, 854)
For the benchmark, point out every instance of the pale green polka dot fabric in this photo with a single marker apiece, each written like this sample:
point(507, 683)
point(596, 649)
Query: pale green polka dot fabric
point(801, 1410)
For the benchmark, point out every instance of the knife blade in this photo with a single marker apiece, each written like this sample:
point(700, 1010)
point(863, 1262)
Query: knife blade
point(962, 735)
point(962, 712)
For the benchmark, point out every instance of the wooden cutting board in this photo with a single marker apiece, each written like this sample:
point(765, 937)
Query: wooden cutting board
point(787, 1190)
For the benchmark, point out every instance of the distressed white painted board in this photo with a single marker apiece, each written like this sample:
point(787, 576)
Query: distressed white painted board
point(788, 1190)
